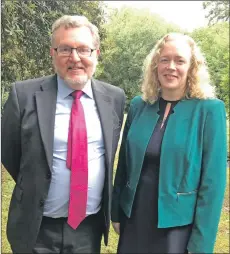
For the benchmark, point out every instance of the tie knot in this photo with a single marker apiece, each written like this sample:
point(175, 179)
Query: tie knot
point(77, 94)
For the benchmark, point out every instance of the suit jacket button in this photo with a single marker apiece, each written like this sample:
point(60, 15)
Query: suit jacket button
point(41, 203)
point(48, 175)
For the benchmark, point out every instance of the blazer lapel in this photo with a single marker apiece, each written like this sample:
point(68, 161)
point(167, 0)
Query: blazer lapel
point(46, 107)
point(105, 110)
point(146, 123)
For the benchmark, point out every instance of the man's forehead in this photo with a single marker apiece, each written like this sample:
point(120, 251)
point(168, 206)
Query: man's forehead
point(76, 34)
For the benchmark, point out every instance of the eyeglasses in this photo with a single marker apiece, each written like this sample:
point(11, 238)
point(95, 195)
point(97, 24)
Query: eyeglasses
point(67, 51)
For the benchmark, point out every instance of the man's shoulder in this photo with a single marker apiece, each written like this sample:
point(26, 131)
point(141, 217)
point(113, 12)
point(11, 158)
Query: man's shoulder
point(109, 87)
point(34, 83)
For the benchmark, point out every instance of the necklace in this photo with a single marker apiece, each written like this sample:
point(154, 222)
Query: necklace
point(163, 121)
point(167, 110)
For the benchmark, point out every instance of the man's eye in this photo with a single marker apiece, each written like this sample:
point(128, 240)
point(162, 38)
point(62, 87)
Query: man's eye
point(84, 50)
point(65, 49)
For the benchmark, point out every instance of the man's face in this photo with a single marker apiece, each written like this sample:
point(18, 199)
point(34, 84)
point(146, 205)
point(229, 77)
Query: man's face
point(74, 70)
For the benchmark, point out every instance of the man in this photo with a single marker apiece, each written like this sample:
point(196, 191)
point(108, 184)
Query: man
point(59, 138)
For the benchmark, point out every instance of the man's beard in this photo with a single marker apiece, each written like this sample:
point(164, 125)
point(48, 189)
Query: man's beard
point(77, 83)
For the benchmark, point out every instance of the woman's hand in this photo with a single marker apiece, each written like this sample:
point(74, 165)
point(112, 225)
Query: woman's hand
point(116, 227)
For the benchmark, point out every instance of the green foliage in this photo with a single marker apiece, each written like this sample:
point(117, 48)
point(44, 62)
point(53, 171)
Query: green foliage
point(130, 35)
point(214, 42)
point(26, 30)
point(217, 11)
point(127, 38)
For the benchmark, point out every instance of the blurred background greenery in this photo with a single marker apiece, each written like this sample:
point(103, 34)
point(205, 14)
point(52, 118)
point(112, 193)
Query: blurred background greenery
point(127, 36)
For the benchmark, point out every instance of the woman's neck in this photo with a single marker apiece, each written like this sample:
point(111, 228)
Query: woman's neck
point(172, 95)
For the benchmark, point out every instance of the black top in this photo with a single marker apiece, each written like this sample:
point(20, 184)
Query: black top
point(154, 147)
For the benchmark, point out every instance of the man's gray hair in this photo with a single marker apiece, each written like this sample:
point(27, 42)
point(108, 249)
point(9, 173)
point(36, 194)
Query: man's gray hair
point(68, 21)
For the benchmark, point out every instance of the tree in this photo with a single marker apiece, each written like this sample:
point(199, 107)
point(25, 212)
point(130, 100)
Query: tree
point(217, 11)
point(26, 30)
point(130, 35)
point(214, 43)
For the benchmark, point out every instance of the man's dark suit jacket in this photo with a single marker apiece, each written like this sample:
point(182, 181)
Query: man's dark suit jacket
point(27, 151)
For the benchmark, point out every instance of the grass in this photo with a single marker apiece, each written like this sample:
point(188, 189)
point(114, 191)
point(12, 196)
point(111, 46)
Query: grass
point(222, 242)
point(7, 188)
point(221, 246)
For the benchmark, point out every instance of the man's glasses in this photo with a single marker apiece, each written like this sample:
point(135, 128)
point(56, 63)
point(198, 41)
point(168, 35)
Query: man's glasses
point(67, 51)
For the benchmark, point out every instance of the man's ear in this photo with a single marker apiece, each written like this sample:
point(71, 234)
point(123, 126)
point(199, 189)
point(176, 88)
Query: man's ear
point(51, 51)
point(98, 52)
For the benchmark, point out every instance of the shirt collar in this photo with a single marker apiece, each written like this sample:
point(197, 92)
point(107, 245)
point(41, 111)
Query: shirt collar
point(64, 90)
point(87, 89)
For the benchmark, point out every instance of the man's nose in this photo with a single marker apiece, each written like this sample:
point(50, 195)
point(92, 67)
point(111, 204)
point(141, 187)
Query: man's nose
point(74, 56)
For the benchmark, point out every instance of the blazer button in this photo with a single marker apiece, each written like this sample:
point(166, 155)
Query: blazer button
point(48, 175)
point(41, 203)
point(127, 184)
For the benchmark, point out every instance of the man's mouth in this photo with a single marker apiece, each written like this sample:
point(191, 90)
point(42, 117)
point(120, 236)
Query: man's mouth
point(75, 68)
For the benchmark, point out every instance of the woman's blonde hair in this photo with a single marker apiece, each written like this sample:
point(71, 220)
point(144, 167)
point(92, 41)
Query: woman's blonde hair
point(198, 83)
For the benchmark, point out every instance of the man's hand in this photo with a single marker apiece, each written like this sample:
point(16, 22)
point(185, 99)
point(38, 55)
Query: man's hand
point(116, 227)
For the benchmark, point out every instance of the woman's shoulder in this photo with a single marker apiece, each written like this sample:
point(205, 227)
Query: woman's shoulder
point(206, 103)
point(137, 103)
point(207, 106)
point(212, 104)
point(137, 99)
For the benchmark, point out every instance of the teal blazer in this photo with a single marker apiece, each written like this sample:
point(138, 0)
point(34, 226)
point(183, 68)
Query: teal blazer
point(193, 164)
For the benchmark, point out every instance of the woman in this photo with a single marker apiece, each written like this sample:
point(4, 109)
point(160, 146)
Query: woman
point(170, 181)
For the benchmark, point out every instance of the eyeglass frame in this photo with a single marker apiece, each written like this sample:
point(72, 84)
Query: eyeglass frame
point(56, 49)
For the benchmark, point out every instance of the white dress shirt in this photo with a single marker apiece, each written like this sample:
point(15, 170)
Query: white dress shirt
point(56, 204)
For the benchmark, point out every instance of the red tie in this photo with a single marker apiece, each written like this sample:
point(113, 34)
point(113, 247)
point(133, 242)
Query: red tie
point(77, 162)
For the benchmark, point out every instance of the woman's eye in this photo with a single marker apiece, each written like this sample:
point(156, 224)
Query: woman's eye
point(163, 60)
point(181, 61)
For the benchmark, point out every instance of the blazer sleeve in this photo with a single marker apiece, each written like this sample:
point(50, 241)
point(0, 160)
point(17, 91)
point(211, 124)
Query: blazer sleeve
point(213, 181)
point(11, 140)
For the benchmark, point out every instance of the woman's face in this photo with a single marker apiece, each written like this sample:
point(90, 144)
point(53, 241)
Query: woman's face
point(173, 66)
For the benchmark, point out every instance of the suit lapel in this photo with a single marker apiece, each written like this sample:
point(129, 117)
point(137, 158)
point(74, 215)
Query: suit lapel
point(105, 111)
point(46, 107)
